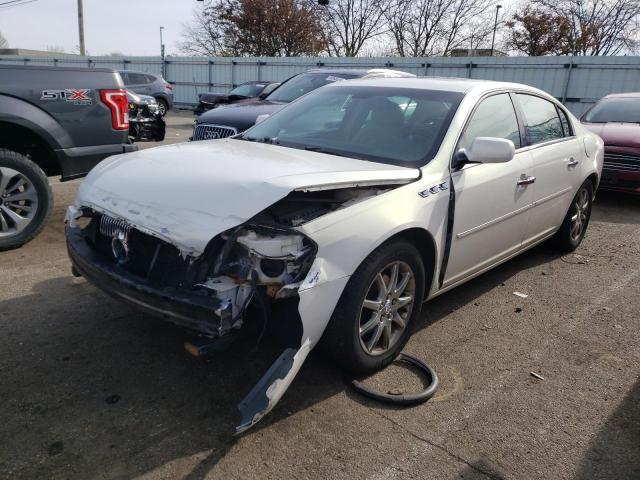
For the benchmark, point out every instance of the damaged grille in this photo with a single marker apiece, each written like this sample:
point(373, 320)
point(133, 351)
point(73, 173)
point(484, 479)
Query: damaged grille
point(150, 258)
point(110, 227)
point(212, 132)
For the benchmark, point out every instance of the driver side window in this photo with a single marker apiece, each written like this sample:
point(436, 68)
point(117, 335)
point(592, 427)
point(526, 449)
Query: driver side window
point(495, 117)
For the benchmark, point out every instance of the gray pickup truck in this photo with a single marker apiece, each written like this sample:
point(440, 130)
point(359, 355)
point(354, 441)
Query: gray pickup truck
point(53, 121)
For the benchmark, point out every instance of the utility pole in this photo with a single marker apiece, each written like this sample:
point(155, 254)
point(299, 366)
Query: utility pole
point(161, 53)
point(81, 27)
point(495, 27)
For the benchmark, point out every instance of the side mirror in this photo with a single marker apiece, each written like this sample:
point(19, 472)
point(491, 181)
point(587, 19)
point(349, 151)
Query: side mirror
point(485, 150)
point(261, 118)
point(262, 96)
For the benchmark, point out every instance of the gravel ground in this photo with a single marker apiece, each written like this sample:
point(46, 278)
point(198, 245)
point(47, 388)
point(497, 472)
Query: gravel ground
point(91, 388)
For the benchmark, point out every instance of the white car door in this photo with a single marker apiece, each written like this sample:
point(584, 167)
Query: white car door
point(492, 200)
point(556, 154)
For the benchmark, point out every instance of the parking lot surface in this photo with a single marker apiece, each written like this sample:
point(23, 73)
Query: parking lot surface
point(91, 388)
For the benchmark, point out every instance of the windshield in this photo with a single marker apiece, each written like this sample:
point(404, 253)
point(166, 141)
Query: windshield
point(620, 109)
point(247, 90)
point(388, 125)
point(304, 83)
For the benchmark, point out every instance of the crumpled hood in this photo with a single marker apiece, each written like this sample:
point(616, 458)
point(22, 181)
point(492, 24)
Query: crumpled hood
point(617, 134)
point(188, 193)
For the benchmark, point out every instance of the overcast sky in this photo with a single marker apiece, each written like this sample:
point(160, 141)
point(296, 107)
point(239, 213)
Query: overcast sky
point(130, 27)
point(127, 26)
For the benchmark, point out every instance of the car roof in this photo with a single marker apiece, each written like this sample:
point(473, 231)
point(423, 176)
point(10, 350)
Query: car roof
point(138, 71)
point(362, 72)
point(255, 82)
point(623, 95)
point(447, 84)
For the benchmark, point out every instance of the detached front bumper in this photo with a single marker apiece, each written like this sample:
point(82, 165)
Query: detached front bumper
point(195, 310)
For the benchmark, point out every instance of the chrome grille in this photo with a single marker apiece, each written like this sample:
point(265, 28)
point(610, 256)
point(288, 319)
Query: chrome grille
point(110, 227)
point(211, 132)
point(628, 162)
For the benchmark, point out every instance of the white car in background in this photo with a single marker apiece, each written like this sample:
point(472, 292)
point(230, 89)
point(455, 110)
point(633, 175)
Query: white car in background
point(355, 204)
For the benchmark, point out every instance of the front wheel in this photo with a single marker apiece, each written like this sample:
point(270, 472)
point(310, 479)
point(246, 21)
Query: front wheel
point(372, 321)
point(575, 223)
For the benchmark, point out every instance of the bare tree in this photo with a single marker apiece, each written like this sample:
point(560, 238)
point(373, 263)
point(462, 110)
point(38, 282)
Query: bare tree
point(470, 23)
point(4, 43)
point(205, 35)
point(350, 24)
point(599, 27)
point(435, 27)
point(417, 26)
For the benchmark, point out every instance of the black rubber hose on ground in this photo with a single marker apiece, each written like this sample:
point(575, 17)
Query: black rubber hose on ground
point(412, 399)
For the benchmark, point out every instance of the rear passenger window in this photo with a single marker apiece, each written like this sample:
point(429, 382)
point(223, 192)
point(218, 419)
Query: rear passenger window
point(541, 117)
point(566, 126)
point(137, 78)
point(494, 117)
point(150, 78)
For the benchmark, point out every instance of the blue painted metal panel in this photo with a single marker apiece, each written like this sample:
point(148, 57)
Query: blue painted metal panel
point(588, 79)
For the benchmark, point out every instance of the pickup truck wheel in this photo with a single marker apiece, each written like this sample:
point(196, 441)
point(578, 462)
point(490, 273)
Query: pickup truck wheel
point(163, 106)
point(575, 223)
point(25, 199)
point(372, 321)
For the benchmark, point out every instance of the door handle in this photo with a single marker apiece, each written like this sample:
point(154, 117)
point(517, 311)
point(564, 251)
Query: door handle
point(524, 180)
point(572, 162)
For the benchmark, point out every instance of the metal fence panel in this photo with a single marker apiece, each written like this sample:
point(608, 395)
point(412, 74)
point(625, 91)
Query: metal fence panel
point(577, 81)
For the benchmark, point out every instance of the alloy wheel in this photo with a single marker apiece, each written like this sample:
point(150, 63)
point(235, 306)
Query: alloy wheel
point(18, 202)
point(580, 215)
point(387, 307)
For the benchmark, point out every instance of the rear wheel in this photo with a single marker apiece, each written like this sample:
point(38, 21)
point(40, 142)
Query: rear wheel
point(25, 199)
point(575, 223)
point(372, 320)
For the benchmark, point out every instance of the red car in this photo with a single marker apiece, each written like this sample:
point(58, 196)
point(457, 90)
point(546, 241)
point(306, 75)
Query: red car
point(616, 118)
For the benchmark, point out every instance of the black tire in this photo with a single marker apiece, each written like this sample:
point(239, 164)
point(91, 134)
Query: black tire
point(44, 203)
point(163, 106)
point(566, 238)
point(341, 341)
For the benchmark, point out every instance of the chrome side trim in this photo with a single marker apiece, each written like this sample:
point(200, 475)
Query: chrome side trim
point(552, 196)
point(511, 214)
point(494, 221)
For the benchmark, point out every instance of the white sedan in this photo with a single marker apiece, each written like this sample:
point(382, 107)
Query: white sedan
point(339, 215)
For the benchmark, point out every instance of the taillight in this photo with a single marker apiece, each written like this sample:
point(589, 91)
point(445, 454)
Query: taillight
point(169, 87)
point(117, 102)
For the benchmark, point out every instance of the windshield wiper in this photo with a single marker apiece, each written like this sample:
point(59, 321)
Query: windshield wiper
point(269, 140)
point(315, 148)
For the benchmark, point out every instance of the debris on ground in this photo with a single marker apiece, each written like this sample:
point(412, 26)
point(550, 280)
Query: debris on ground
point(111, 399)
point(537, 375)
point(520, 294)
point(577, 260)
point(55, 448)
point(518, 310)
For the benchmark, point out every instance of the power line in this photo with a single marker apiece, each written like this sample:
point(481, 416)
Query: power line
point(10, 1)
point(15, 3)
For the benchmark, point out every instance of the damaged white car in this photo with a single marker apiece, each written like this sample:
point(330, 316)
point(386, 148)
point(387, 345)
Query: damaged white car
point(357, 202)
